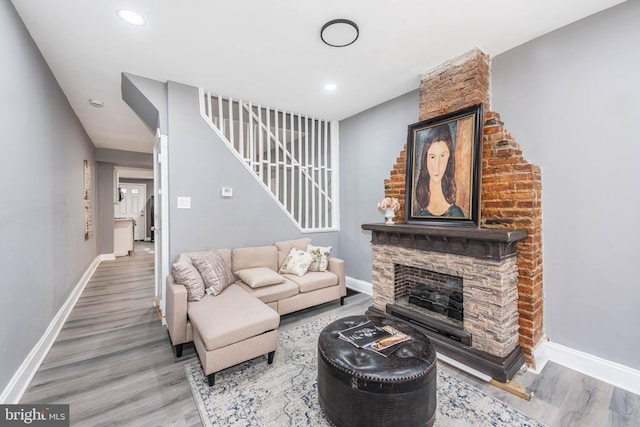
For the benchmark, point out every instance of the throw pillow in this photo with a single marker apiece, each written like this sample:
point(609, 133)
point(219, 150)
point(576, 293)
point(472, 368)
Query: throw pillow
point(284, 247)
point(215, 272)
point(258, 277)
point(186, 275)
point(320, 257)
point(297, 262)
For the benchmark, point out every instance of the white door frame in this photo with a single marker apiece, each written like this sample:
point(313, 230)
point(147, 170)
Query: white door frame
point(161, 220)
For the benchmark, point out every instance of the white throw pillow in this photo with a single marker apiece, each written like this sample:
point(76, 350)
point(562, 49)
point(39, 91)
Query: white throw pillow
point(259, 276)
point(320, 257)
point(297, 262)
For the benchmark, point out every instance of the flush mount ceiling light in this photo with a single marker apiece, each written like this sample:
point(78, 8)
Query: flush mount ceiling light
point(339, 32)
point(330, 87)
point(96, 103)
point(131, 17)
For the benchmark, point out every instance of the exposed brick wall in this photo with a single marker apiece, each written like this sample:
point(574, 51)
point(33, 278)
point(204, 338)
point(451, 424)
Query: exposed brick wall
point(512, 198)
point(511, 187)
point(456, 84)
point(394, 186)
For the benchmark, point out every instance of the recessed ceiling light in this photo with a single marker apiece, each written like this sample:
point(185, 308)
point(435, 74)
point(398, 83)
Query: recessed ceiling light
point(96, 103)
point(131, 17)
point(330, 87)
point(339, 32)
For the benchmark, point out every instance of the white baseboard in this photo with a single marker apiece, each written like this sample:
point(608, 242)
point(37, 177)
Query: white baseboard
point(540, 355)
point(610, 372)
point(359, 285)
point(107, 257)
point(22, 378)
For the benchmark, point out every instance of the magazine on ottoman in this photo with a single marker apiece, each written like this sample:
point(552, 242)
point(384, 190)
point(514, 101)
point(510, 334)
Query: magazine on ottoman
point(382, 340)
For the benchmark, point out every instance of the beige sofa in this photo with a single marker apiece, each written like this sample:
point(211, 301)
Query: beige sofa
point(241, 322)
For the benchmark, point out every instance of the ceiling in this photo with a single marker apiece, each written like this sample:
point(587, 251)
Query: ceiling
point(270, 52)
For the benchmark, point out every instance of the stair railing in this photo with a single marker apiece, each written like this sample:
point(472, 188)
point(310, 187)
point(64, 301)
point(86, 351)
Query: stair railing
point(294, 157)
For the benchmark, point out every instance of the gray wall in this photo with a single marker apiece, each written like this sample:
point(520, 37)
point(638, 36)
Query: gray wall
point(125, 158)
point(148, 98)
point(370, 143)
point(43, 253)
point(570, 98)
point(105, 207)
point(199, 165)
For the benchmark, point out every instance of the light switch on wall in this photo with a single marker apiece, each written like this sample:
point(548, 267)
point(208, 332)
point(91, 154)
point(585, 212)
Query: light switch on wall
point(184, 202)
point(226, 192)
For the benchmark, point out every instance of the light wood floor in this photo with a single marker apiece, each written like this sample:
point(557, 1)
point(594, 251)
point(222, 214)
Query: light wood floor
point(114, 365)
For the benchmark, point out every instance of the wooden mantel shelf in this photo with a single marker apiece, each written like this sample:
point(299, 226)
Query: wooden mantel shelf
point(467, 241)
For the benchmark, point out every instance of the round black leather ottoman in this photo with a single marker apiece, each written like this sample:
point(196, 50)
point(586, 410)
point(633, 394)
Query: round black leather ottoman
point(358, 387)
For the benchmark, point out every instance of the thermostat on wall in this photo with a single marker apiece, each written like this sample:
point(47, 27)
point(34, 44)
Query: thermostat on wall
point(226, 192)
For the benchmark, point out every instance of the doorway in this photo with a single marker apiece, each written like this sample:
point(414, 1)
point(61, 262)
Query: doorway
point(132, 205)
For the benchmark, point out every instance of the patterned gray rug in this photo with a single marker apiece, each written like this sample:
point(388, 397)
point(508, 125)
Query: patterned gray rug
point(284, 393)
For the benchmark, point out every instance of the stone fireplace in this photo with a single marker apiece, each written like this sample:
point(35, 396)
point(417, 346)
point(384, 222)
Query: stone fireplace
point(478, 264)
point(501, 283)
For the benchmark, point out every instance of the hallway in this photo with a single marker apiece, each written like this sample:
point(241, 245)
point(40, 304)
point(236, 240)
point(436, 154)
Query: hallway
point(112, 362)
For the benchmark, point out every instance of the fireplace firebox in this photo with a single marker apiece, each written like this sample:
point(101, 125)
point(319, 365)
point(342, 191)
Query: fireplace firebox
point(438, 293)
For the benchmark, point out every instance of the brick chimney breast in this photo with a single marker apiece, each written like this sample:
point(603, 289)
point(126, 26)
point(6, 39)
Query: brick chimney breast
point(511, 187)
point(458, 83)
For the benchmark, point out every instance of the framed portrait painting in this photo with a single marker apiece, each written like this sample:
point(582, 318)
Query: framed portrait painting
point(443, 169)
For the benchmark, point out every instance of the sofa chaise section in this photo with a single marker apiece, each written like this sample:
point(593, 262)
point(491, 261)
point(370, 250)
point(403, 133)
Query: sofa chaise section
point(241, 329)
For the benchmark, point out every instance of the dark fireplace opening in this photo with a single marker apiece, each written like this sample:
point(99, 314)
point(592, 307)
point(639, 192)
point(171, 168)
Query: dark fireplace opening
point(435, 292)
point(443, 300)
point(430, 299)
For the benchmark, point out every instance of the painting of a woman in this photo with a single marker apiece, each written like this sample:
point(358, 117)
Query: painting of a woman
point(443, 174)
point(435, 190)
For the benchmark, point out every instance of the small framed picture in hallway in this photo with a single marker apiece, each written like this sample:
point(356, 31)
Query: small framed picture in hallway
point(88, 221)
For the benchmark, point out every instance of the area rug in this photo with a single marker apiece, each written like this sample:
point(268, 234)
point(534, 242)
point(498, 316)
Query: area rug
point(285, 393)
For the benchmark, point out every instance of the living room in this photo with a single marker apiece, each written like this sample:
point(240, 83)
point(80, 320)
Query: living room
point(547, 91)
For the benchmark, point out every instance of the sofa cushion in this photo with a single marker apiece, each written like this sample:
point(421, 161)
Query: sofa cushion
point(320, 257)
point(272, 293)
point(230, 317)
point(297, 262)
point(187, 275)
point(258, 277)
point(214, 271)
point(285, 247)
point(258, 256)
point(314, 280)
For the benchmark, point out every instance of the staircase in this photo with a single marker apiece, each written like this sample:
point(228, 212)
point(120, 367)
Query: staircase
point(292, 156)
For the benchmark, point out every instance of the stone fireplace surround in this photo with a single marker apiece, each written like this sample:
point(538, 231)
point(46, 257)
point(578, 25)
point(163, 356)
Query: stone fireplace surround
point(485, 260)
